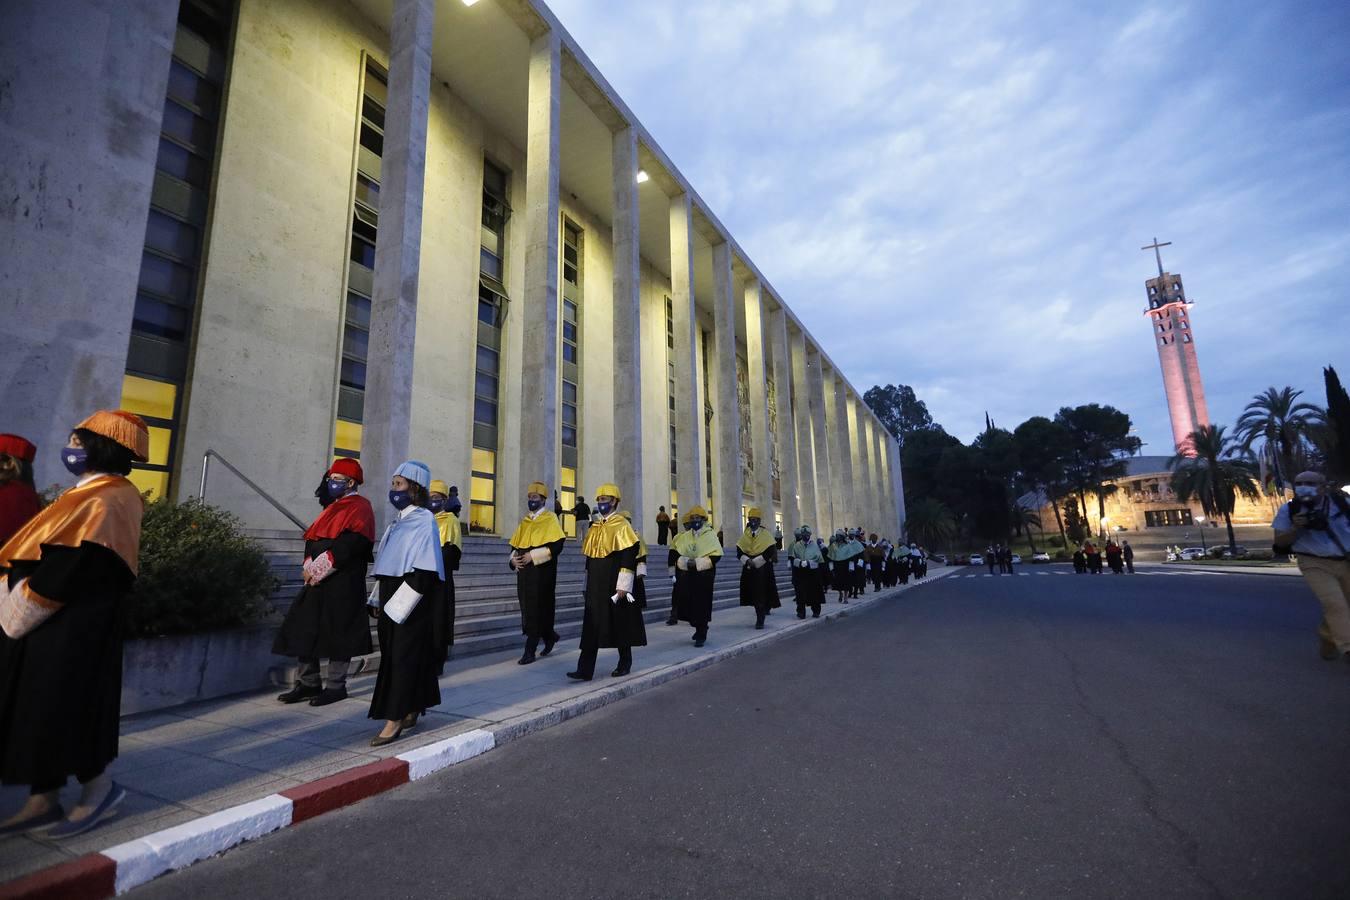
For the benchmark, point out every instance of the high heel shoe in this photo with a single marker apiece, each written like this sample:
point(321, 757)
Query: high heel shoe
point(378, 741)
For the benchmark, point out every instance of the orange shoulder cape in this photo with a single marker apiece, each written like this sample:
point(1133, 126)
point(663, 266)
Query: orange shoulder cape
point(106, 511)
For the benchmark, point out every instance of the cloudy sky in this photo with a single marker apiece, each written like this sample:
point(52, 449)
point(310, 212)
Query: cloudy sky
point(953, 194)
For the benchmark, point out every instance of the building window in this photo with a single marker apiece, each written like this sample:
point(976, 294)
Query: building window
point(1167, 518)
point(492, 304)
point(706, 343)
point(670, 391)
point(361, 264)
point(1185, 338)
point(569, 358)
point(567, 498)
point(175, 236)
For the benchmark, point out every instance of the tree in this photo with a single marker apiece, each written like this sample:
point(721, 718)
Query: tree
point(1073, 521)
point(930, 523)
point(898, 409)
point(1337, 429)
point(920, 457)
point(1024, 518)
point(1214, 476)
point(1042, 460)
point(1099, 441)
point(1277, 424)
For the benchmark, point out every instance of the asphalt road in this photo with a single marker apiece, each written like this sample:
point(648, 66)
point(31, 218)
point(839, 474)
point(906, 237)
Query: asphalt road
point(1030, 736)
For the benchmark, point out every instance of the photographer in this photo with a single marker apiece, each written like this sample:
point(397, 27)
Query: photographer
point(1315, 525)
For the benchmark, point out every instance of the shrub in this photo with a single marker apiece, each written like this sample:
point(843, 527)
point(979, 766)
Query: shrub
point(198, 571)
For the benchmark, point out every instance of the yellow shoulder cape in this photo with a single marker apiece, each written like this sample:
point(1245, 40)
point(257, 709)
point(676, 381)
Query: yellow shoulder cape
point(695, 544)
point(755, 544)
point(448, 523)
point(607, 536)
point(542, 529)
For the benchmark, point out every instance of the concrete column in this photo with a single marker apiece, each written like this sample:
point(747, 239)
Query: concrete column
point(728, 413)
point(841, 457)
point(688, 403)
point(877, 491)
point(539, 306)
point(787, 444)
point(826, 497)
point(801, 420)
point(398, 253)
point(858, 449)
point(627, 327)
point(897, 485)
point(759, 397)
point(80, 109)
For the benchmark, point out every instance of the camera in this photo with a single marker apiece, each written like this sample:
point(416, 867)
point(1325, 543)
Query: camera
point(1317, 517)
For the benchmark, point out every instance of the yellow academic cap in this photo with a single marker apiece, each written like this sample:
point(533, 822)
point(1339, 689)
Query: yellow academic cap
point(439, 487)
point(754, 513)
point(537, 487)
point(608, 489)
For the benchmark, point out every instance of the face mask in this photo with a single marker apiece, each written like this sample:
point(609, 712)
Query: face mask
point(696, 525)
point(604, 509)
point(400, 500)
point(336, 489)
point(754, 524)
point(75, 459)
point(1301, 491)
point(534, 505)
point(436, 504)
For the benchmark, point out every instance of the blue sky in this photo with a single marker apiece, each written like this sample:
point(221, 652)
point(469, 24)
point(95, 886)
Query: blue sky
point(973, 181)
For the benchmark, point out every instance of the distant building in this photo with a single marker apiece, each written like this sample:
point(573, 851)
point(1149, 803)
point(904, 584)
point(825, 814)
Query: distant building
point(1167, 312)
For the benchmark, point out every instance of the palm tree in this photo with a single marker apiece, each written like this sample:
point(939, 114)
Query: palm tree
point(1214, 476)
point(1025, 517)
point(930, 522)
point(1280, 423)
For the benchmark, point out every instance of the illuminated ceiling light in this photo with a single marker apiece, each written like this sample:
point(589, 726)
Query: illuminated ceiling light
point(470, 2)
point(643, 177)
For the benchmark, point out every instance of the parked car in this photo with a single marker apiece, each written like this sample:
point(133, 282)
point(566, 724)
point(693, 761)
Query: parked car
point(938, 559)
point(1193, 553)
point(1017, 559)
point(960, 559)
point(1222, 552)
point(1041, 557)
point(977, 559)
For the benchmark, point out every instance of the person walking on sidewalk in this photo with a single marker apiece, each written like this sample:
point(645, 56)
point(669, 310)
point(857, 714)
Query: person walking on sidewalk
point(612, 616)
point(447, 522)
point(693, 557)
point(1127, 553)
point(328, 620)
point(1115, 560)
point(535, 548)
point(18, 498)
point(662, 526)
point(65, 580)
point(409, 569)
point(841, 570)
point(805, 559)
point(757, 550)
point(858, 558)
point(1316, 526)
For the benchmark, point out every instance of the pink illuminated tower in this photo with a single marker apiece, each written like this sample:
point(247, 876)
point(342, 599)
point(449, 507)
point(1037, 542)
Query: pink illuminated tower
point(1167, 314)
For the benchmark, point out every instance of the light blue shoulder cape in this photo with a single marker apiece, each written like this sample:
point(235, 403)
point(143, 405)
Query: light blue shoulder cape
point(411, 542)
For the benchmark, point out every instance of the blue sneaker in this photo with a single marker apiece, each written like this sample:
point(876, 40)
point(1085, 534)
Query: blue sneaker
point(68, 829)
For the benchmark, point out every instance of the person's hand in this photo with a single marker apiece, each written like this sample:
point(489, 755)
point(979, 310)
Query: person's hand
point(620, 595)
point(521, 560)
point(1300, 520)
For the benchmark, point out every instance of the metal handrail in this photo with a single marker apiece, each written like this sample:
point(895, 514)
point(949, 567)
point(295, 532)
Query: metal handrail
point(206, 464)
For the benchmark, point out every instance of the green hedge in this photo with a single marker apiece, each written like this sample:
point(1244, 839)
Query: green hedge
point(198, 571)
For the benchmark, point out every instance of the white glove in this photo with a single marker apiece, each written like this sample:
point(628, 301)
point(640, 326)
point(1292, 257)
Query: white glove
point(850, 567)
point(758, 562)
point(703, 564)
point(682, 563)
point(811, 563)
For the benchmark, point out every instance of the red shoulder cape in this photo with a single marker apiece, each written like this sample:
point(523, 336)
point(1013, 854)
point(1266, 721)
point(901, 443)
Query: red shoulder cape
point(350, 513)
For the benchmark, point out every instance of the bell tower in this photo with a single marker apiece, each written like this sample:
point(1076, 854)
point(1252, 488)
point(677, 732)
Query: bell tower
point(1170, 320)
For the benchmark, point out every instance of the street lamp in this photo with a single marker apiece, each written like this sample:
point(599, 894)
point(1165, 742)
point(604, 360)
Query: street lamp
point(1106, 533)
point(1200, 520)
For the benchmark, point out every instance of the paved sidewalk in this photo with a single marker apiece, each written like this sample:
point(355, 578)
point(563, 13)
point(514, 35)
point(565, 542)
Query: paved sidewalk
point(180, 764)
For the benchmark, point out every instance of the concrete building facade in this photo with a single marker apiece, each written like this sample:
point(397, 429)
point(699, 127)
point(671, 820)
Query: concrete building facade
point(394, 228)
point(1168, 312)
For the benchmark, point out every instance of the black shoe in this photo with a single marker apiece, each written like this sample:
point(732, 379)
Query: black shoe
point(578, 676)
point(620, 672)
point(549, 643)
point(300, 692)
point(801, 614)
point(816, 614)
point(526, 659)
point(378, 741)
point(698, 642)
point(329, 695)
point(759, 626)
point(672, 621)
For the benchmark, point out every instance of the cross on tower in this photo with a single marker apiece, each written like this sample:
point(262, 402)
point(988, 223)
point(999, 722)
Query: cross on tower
point(1156, 252)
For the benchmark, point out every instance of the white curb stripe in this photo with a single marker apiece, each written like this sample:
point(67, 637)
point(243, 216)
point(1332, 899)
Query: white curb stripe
point(149, 857)
point(433, 757)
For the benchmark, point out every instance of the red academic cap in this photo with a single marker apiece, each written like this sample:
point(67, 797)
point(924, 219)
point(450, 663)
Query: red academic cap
point(345, 465)
point(17, 447)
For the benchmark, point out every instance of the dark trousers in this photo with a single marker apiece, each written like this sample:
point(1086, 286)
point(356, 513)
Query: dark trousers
point(586, 662)
point(662, 529)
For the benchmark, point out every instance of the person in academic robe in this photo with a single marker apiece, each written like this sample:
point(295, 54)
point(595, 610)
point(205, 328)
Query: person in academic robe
point(757, 549)
point(823, 572)
point(640, 574)
point(409, 569)
point(674, 617)
point(1094, 558)
point(805, 560)
point(662, 526)
point(841, 571)
point(875, 556)
point(693, 558)
point(858, 557)
point(65, 583)
point(18, 498)
point(1079, 561)
point(1114, 561)
point(535, 547)
point(612, 616)
point(918, 561)
point(328, 620)
point(447, 522)
point(900, 558)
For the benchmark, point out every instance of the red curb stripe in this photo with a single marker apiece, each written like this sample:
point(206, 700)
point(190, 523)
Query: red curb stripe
point(345, 788)
point(91, 877)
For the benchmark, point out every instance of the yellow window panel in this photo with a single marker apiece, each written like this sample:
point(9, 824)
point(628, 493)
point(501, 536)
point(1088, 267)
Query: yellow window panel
point(482, 490)
point(156, 483)
point(569, 478)
point(159, 446)
point(148, 398)
point(347, 436)
point(481, 517)
point(484, 461)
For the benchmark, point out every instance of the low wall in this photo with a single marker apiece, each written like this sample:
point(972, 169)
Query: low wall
point(167, 671)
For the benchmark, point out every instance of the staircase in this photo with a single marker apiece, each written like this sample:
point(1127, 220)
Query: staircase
point(487, 615)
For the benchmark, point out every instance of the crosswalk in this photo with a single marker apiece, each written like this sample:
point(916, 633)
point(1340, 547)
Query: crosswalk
point(1145, 573)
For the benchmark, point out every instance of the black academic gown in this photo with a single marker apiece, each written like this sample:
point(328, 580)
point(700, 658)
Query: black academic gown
point(61, 684)
point(536, 586)
point(443, 628)
point(759, 588)
point(692, 595)
point(606, 624)
point(410, 660)
point(328, 620)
